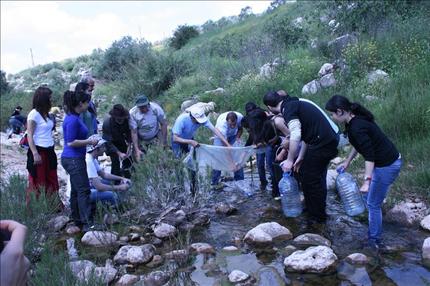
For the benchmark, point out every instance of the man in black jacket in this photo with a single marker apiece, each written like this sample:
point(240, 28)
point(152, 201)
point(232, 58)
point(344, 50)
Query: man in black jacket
point(319, 145)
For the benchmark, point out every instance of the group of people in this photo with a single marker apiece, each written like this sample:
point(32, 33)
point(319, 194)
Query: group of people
point(294, 134)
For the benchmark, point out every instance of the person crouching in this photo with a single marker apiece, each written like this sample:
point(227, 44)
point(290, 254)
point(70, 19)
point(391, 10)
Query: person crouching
point(103, 188)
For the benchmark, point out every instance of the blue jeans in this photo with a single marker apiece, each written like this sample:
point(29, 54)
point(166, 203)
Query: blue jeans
point(238, 175)
point(104, 197)
point(265, 160)
point(80, 202)
point(382, 178)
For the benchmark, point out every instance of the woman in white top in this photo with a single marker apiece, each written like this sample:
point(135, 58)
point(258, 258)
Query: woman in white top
point(41, 157)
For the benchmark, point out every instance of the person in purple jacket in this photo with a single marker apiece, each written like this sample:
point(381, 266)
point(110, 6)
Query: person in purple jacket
point(73, 158)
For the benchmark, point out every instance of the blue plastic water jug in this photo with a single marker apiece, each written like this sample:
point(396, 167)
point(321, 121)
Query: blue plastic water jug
point(349, 193)
point(290, 195)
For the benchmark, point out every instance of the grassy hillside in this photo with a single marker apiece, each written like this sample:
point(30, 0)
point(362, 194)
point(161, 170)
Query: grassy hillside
point(392, 36)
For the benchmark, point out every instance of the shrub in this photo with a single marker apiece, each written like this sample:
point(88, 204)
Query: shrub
point(182, 35)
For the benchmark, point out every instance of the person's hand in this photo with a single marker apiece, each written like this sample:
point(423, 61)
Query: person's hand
point(297, 164)
point(92, 141)
point(365, 187)
point(126, 181)
point(342, 167)
point(122, 156)
point(37, 159)
point(13, 264)
point(194, 143)
point(138, 154)
point(286, 165)
point(123, 187)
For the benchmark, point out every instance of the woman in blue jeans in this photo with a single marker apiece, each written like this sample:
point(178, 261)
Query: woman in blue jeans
point(382, 160)
point(73, 158)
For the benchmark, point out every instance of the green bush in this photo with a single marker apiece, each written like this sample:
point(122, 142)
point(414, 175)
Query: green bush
point(182, 35)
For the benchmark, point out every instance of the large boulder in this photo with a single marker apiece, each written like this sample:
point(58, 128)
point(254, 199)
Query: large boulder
point(99, 238)
point(339, 44)
point(265, 233)
point(312, 239)
point(426, 252)
point(408, 212)
point(58, 223)
point(164, 230)
point(311, 87)
point(267, 70)
point(376, 76)
point(328, 80)
point(237, 276)
point(315, 259)
point(298, 22)
point(425, 223)
point(326, 69)
point(135, 254)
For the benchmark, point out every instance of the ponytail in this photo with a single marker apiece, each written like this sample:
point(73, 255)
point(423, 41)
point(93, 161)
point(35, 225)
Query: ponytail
point(358, 109)
point(72, 99)
point(340, 102)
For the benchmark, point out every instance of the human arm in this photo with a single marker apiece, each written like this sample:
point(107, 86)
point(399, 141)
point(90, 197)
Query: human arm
point(31, 127)
point(14, 265)
point(221, 137)
point(134, 139)
point(191, 142)
point(82, 143)
point(295, 137)
point(348, 160)
point(299, 160)
point(368, 170)
point(100, 186)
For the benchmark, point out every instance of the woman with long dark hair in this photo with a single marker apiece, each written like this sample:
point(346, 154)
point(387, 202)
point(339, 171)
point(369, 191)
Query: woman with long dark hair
point(41, 157)
point(73, 157)
point(382, 160)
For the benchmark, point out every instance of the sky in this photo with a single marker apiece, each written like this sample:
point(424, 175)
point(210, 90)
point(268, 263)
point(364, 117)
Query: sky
point(57, 30)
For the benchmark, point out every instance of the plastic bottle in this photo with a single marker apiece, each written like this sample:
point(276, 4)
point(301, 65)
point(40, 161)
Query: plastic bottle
point(290, 195)
point(349, 193)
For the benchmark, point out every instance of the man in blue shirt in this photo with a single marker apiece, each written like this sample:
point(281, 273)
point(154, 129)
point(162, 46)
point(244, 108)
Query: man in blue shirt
point(183, 134)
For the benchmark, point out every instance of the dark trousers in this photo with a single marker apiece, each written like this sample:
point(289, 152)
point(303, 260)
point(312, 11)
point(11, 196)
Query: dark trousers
point(116, 169)
point(312, 175)
point(80, 201)
point(180, 149)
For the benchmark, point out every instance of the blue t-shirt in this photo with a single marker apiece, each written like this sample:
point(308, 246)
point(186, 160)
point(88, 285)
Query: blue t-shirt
point(74, 128)
point(185, 128)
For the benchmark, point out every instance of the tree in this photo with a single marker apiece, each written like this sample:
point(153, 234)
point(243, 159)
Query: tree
point(276, 4)
point(182, 35)
point(245, 13)
point(4, 85)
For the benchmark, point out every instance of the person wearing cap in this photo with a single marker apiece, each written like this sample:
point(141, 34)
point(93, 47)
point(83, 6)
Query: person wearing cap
point(229, 125)
point(102, 184)
point(183, 134)
point(185, 127)
point(148, 124)
point(116, 131)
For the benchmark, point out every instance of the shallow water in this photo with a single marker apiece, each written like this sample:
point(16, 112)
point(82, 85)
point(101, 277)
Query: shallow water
point(401, 266)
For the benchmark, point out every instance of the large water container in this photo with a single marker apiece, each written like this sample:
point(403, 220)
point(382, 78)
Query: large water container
point(349, 193)
point(290, 196)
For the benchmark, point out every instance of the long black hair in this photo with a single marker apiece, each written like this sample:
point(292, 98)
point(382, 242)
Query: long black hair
point(272, 98)
point(340, 102)
point(42, 100)
point(72, 99)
